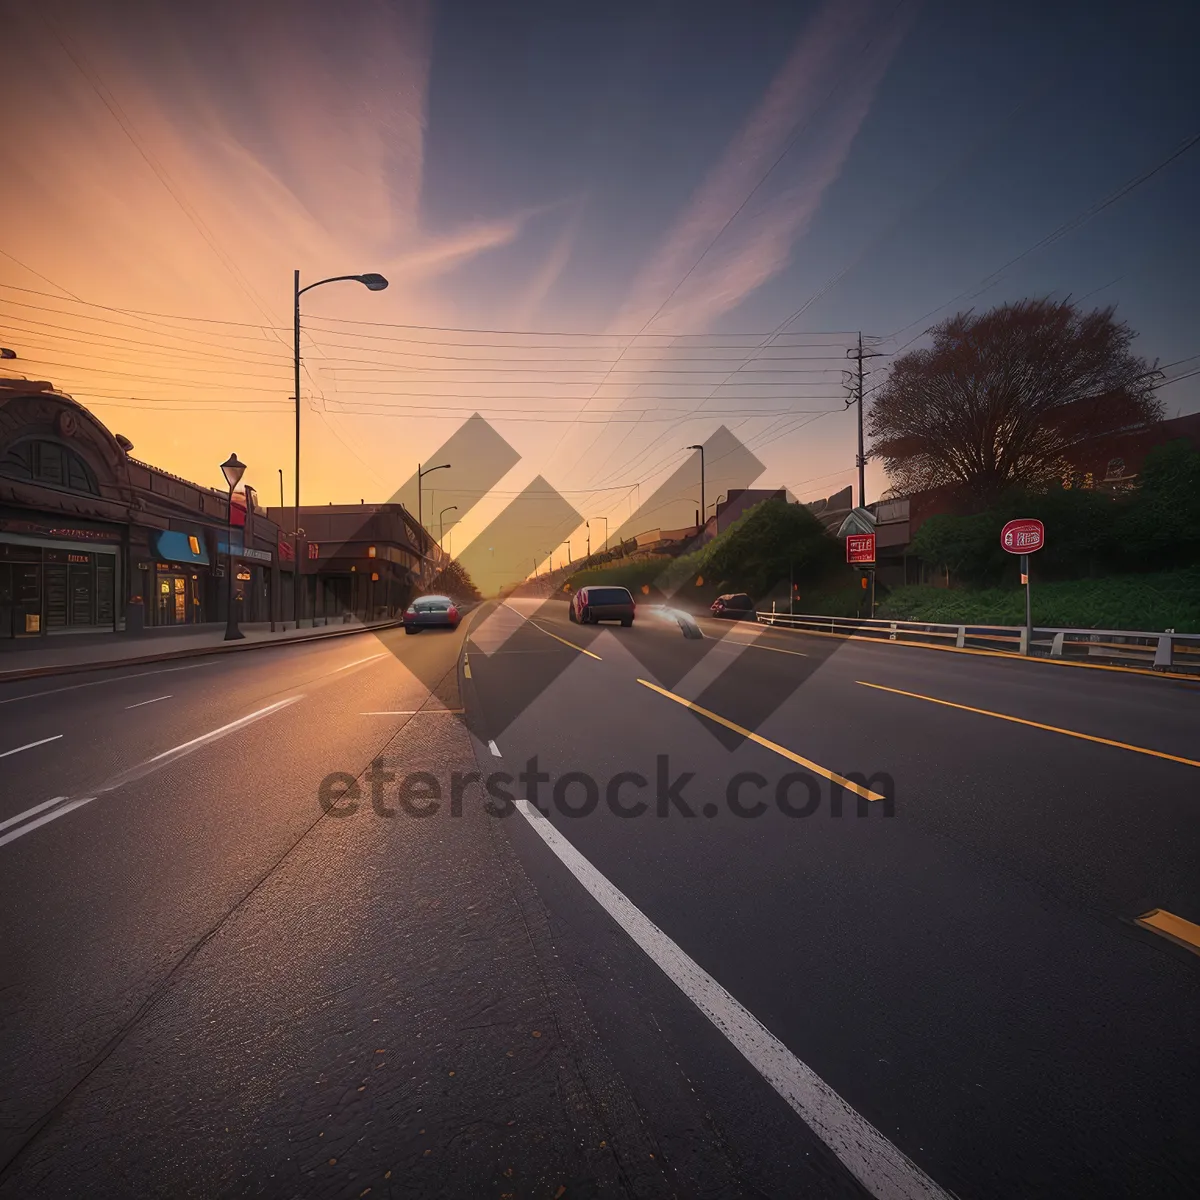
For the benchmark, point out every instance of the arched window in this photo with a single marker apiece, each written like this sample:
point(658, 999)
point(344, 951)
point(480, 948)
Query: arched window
point(38, 460)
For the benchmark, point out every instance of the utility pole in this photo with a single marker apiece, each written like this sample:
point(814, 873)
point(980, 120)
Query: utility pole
point(858, 356)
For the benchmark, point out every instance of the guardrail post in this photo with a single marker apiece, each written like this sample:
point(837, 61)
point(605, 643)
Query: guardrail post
point(1163, 652)
point(1024, 642)
point(961, 640)
point(892, 636)
point(1056, 646)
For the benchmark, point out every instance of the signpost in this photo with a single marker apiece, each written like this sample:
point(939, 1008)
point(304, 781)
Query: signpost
point(1024, 536)
point(860, 551)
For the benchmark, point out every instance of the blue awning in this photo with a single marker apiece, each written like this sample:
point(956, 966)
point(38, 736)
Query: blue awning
point(174, 546)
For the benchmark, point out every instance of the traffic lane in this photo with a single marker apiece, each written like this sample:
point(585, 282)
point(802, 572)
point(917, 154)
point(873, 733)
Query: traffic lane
point(103, 730)
point(102, 904)
point(382, 1009)
point(1107, 827)
point(1006, 1041)
point(1161, 714)
point(1111, 827)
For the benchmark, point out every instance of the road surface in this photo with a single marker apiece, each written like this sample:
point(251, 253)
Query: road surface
point(228, 970)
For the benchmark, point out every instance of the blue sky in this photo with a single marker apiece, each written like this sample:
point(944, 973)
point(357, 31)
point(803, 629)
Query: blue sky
point(596, 170)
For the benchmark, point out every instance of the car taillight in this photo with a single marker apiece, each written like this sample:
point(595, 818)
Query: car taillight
point(410, 611)
point(453, 613)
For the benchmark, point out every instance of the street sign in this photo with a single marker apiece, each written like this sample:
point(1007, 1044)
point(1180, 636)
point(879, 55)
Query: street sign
point(860, 548)
point(1023, 536)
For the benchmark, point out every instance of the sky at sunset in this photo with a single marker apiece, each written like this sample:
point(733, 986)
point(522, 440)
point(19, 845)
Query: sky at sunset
point(613, 230)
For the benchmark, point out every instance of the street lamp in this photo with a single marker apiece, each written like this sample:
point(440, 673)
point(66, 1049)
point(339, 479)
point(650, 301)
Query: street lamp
point(703, 509)
point(441, 526)
point(421, 473)
point(373, 283)
point(233, 470)
point(605, 520)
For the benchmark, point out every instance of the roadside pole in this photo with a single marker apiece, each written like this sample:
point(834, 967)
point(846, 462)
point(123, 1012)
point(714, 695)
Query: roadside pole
point(1028, 604)
point(1024, 536)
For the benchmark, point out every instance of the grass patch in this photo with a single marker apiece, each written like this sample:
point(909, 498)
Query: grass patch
point(1152, 602)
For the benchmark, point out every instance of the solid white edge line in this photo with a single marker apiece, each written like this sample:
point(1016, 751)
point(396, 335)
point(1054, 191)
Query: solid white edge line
point(495, 749)
point(415, 712)
point(142, 703)
point(882, 1168)
point(30, 745)
point(197, 742)
point(50, 816)
point(29, 812)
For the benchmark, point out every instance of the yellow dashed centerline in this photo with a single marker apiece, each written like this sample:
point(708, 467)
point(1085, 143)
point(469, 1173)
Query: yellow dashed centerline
point(1170, 926)
point(565, 642)
point(783, 751)
point(985, 712)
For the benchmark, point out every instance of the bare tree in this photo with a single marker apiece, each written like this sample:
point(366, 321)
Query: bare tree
point(1009, 397)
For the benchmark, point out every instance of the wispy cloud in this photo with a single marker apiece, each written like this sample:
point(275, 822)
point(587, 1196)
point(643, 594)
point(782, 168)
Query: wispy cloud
point(547, 275)
point(820, 97)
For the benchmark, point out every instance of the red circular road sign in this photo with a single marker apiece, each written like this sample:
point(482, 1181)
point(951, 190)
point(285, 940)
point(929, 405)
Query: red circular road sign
point(1023, 536)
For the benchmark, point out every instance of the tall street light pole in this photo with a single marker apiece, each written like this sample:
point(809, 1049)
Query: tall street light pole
point(442, 527)
point(605, 520)
point(373, 283)
point(421, 473)
point(702, 508)
point(233, 470)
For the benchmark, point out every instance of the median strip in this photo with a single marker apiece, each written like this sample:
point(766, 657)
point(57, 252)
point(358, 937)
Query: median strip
point(1168, 925)
point(849, 784)
point(986, 712)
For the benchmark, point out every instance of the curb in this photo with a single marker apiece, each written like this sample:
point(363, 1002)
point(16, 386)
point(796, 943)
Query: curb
point(190, 652)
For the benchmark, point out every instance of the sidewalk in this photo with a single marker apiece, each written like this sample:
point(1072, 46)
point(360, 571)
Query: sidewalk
point(63, 654)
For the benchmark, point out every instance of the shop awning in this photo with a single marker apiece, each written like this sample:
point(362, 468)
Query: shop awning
point(175, 546)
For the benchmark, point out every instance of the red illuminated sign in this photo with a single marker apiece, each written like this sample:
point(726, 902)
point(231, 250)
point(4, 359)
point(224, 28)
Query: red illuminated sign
point(1023, 536)
point(860, 548)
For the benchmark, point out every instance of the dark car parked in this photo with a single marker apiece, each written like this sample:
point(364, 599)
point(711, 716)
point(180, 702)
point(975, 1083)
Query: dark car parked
point(426, 611)
point(591, 605)
point(735, 605)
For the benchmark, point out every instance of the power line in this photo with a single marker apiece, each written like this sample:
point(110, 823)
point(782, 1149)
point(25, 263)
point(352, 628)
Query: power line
point(1067, 227)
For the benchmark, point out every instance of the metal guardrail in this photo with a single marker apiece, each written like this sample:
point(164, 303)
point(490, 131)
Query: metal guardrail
point(1131, 647)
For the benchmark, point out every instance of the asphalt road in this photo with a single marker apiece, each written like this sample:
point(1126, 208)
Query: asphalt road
point(214, 986)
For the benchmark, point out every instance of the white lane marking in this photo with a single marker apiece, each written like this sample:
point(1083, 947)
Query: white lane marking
point(30, 745)
point(413, 712)
point(100, 682)
point(141, 703)
point(495, 749)
point(196, 742)
point(50, 816)
point(359, 661)
point(30, 812)
point(883, 1169)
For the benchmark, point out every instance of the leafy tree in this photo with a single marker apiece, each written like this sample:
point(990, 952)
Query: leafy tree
point(452, 580)
point(1000, 398)
point(760, 549)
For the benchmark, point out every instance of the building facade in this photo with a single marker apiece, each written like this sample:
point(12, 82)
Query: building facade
point(94, 540)
point(367, 559)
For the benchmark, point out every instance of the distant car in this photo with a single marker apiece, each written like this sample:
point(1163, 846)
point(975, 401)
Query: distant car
point(736, 606)
point(427, 611)
point(591, 605)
